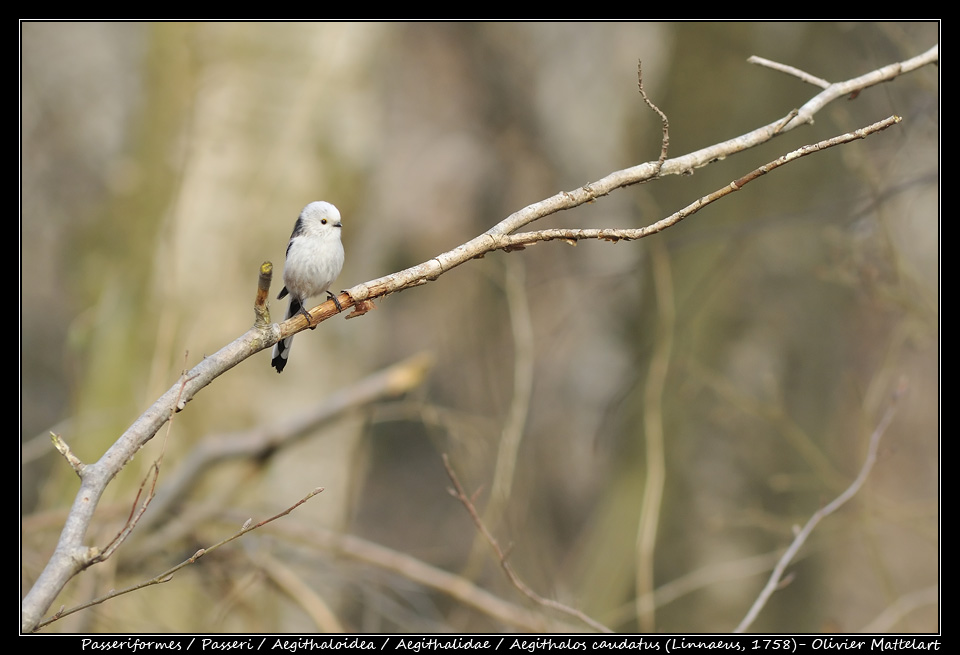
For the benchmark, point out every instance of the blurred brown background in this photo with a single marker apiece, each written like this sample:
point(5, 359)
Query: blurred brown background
point(162, 163)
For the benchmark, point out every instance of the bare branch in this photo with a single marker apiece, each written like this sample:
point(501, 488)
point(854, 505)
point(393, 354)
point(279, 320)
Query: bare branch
point(857, 84)
point(390, 382)
point(71, 557)
point(515, 580)
point(248, 526)
point(494, 238)
point(572, 235)
point(665, 141)
point(455, 586)
point(136, 513)
point(790, 70)
point(776, 577)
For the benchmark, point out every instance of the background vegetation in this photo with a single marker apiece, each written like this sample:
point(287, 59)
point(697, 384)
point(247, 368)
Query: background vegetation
point(162, 163)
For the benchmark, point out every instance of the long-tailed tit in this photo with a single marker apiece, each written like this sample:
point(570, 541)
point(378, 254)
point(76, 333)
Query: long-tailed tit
point(314, 260)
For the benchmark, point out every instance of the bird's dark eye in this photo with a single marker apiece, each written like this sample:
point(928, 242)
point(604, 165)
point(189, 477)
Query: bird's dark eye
point(323, 220)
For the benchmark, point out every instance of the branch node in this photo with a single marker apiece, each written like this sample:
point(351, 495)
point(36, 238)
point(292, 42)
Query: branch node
point(786, 120)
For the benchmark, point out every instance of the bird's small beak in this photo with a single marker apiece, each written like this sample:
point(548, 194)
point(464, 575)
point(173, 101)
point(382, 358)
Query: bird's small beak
point(338, 224)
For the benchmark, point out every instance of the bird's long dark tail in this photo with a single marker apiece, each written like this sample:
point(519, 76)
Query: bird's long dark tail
point(281, 351)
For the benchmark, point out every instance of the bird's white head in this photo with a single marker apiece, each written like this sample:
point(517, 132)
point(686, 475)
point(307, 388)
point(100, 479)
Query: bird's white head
point(320, 216)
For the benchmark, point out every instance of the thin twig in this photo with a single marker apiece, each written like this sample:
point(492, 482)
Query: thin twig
point(775, 578)
point(457, 587)
point(522, 239)
point(665, 141)
point(512, 431)
point(462, 496)
point(790, 70)
point(64, 449)
point(136, 513)
point(786, 120)
point(167, 575)
point(499, 235)
point(256, 442)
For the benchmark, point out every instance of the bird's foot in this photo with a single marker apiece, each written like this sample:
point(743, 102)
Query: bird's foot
point(303, 310)
point(335, 301)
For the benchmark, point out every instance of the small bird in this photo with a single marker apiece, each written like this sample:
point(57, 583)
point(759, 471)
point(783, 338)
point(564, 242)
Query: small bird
point(314, 260)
